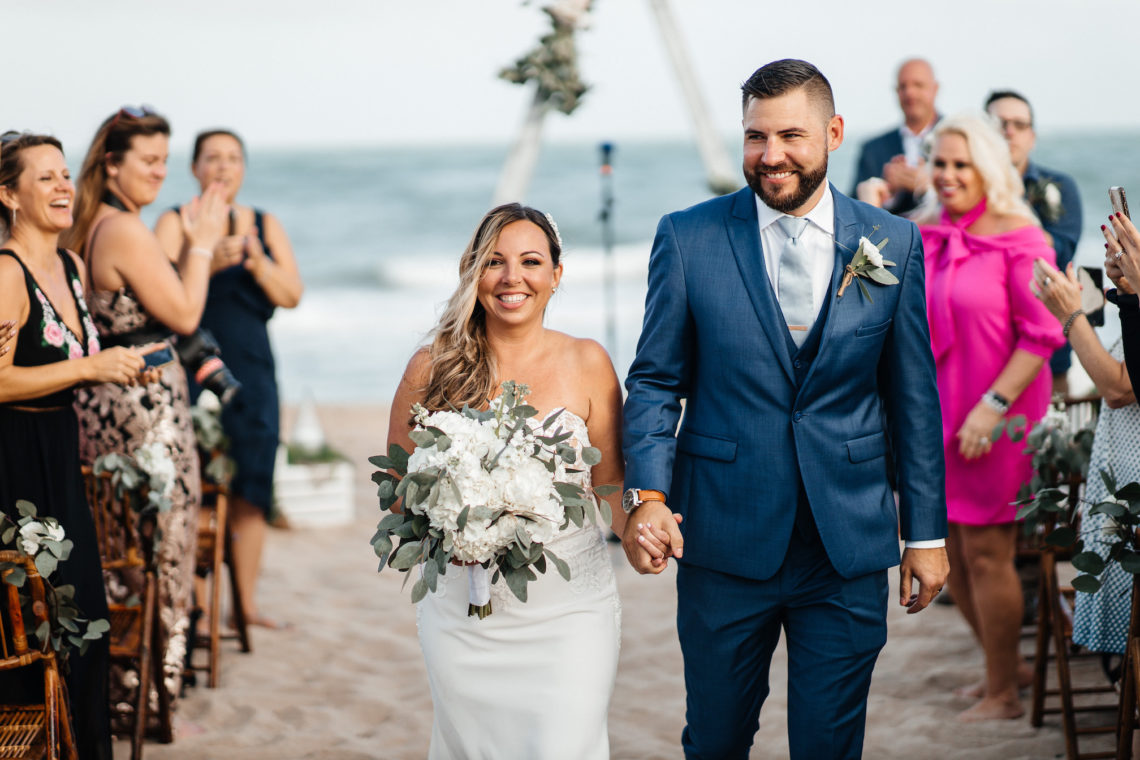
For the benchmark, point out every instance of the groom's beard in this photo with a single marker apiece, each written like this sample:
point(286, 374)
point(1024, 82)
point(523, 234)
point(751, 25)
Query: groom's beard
point(809, 182)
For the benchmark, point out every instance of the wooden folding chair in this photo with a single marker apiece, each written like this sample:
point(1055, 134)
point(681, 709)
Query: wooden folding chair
point(215, 551)
point(41, 729)
point(126, 546)
point(1126, 718)
point(1054, 632)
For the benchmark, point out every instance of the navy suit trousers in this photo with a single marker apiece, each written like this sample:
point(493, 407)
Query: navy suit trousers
point(730, 625)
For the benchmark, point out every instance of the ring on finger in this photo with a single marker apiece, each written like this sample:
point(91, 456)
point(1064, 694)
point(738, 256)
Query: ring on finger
point(1118, 254)
point(1047, 281)
point(984, 440)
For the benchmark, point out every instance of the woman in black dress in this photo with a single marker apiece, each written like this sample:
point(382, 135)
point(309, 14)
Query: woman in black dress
point(252, 273)
point(55, 348)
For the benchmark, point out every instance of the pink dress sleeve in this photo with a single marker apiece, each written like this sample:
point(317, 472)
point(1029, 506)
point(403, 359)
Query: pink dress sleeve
point(1035, 329)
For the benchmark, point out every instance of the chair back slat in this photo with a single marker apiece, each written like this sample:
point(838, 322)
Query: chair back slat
point(116, 524)
point(13, 631)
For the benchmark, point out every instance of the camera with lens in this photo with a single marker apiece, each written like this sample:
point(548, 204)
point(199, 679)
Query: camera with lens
point(201, 355)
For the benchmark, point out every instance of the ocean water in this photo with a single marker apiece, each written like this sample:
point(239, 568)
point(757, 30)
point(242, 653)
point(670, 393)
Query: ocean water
point(378, 233)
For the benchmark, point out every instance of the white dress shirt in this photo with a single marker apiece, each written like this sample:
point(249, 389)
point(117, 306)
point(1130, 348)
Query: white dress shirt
point(912, 143)
point(819, 237)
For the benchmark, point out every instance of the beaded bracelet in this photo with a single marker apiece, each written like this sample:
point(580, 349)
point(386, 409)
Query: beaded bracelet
point(1069, 322)
point(199, 251)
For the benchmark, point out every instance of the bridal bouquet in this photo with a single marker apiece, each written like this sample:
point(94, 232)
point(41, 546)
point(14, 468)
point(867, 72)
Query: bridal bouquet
point(486, 489)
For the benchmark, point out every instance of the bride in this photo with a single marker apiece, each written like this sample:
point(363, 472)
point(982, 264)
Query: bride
point(531, 680)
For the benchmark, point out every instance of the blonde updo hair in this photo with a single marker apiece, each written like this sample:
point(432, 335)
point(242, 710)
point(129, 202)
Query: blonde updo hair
point(989, 153)
point(463, 368)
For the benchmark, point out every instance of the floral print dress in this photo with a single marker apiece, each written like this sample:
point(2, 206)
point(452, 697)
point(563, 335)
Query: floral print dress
point(124, 419)
point(39, 462)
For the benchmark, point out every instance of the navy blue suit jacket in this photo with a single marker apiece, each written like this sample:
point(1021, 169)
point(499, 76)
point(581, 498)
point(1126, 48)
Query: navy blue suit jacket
point(714, 336)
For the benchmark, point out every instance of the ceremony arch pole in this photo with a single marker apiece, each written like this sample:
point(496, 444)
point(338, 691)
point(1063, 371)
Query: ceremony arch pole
point(720, 174)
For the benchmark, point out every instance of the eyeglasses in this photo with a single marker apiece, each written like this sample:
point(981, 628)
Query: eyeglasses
point(1016, 125)
point(133, 112)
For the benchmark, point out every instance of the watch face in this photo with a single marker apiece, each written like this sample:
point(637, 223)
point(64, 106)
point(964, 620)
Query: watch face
point(627, 502)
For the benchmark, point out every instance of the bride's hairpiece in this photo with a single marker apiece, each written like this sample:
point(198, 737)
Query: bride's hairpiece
point(553, 226)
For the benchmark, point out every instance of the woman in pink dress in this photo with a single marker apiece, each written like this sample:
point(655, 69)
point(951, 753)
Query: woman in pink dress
point(991, 339)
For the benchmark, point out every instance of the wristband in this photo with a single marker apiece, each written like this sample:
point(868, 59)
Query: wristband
point(199, 251)
point(996, 401)
point(1069, 322)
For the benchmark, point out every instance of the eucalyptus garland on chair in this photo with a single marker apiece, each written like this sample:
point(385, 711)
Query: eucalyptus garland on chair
point(44, 541)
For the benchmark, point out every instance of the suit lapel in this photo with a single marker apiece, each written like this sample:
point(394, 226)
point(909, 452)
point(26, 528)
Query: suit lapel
point(744, 236)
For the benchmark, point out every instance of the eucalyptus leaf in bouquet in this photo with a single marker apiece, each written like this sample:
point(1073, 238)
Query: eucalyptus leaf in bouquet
point(486, 489)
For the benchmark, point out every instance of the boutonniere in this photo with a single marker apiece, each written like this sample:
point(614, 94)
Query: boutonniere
point(1045, 198)
point(868, 263)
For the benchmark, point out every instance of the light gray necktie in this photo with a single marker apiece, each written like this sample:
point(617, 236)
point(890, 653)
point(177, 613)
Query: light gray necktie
point(795, 280)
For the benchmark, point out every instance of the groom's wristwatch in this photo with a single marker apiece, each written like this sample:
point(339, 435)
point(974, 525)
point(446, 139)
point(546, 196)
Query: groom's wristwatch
point(633, 498)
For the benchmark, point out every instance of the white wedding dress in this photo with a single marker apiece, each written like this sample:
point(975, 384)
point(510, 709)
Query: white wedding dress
point(530, 681)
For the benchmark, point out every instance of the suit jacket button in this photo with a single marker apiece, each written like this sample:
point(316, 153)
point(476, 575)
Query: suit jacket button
point(797, 364)
point(798, 416)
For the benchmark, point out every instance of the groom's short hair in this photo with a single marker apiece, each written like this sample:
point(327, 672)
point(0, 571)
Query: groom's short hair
point(781, 77)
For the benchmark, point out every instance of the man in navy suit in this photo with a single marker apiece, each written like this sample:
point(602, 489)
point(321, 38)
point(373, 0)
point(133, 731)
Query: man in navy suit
point(896, 156)
point(774, 494)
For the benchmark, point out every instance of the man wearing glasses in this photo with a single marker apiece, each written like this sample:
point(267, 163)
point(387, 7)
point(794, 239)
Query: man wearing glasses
point(1052, 195)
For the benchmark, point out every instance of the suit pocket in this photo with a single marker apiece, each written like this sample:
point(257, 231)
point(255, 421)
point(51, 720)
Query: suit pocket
point(695, 444)
point(869, 330)
point(866, 448)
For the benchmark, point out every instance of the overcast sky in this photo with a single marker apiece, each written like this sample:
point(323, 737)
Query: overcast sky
point(336, 72)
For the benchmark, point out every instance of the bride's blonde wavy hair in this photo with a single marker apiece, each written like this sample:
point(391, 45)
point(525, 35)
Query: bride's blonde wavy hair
point(463, 368)
point(989, 153)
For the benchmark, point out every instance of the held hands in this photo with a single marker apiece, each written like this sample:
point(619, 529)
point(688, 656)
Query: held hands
point(651, 536)
point(974, 439)
point(929, 567)
point(205, 218)
point(1060, 294)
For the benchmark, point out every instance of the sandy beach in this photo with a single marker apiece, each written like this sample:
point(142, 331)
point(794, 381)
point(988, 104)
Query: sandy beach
point(348, 682)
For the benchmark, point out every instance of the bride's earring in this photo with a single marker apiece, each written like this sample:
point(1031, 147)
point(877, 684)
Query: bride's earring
point(554, 290)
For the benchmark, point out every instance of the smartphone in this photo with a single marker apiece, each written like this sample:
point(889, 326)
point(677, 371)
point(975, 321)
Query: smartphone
point(1118, 200)
point(1092, 294)
point(159, 357)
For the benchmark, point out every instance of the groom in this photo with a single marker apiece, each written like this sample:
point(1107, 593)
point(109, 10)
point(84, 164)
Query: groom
point(796, 390)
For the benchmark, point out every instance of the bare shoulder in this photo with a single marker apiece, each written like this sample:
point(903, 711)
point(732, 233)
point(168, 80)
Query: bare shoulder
point(11, 273)
point(418, 371)
point(584, 354)
point(168, 218)
point(12, 286)
point(123, 229)
point(272, 224)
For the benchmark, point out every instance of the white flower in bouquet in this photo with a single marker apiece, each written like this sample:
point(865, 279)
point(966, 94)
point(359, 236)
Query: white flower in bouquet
point(481, 488)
